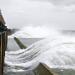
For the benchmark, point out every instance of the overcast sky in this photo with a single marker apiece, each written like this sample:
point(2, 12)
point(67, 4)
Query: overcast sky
point(57, 13)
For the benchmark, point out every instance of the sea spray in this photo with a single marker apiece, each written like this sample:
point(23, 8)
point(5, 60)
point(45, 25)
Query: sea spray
point(56, 53)
point(35, 32)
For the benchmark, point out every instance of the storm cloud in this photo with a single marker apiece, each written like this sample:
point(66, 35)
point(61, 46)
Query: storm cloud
point(57, 13)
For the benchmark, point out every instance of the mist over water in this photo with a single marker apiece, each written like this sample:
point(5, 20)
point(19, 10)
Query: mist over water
point(35, 32)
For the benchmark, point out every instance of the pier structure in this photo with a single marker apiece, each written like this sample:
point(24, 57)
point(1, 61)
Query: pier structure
point(3, 42)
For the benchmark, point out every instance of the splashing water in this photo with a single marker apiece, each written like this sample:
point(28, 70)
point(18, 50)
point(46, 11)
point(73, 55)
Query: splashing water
point(56, 53)
point(35, 32)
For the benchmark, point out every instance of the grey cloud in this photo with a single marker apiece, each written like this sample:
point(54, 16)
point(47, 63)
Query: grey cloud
point(18, 13)
point(59, 2)
point(5, 2)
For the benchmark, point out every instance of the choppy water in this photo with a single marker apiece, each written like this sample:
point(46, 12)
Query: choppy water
point(56, 53)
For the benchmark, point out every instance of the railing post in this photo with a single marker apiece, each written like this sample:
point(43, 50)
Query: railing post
point(3, 46)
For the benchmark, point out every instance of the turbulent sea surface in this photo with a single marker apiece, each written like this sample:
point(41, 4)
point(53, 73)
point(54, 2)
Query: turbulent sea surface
point(57, 53)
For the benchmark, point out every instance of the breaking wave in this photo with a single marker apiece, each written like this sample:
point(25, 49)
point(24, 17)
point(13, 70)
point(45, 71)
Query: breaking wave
point(56, 53)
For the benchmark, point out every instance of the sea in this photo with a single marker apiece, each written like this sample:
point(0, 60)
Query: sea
point(12, 46)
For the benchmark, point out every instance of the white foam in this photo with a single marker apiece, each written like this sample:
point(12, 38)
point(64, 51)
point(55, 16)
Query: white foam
point(56, 53)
